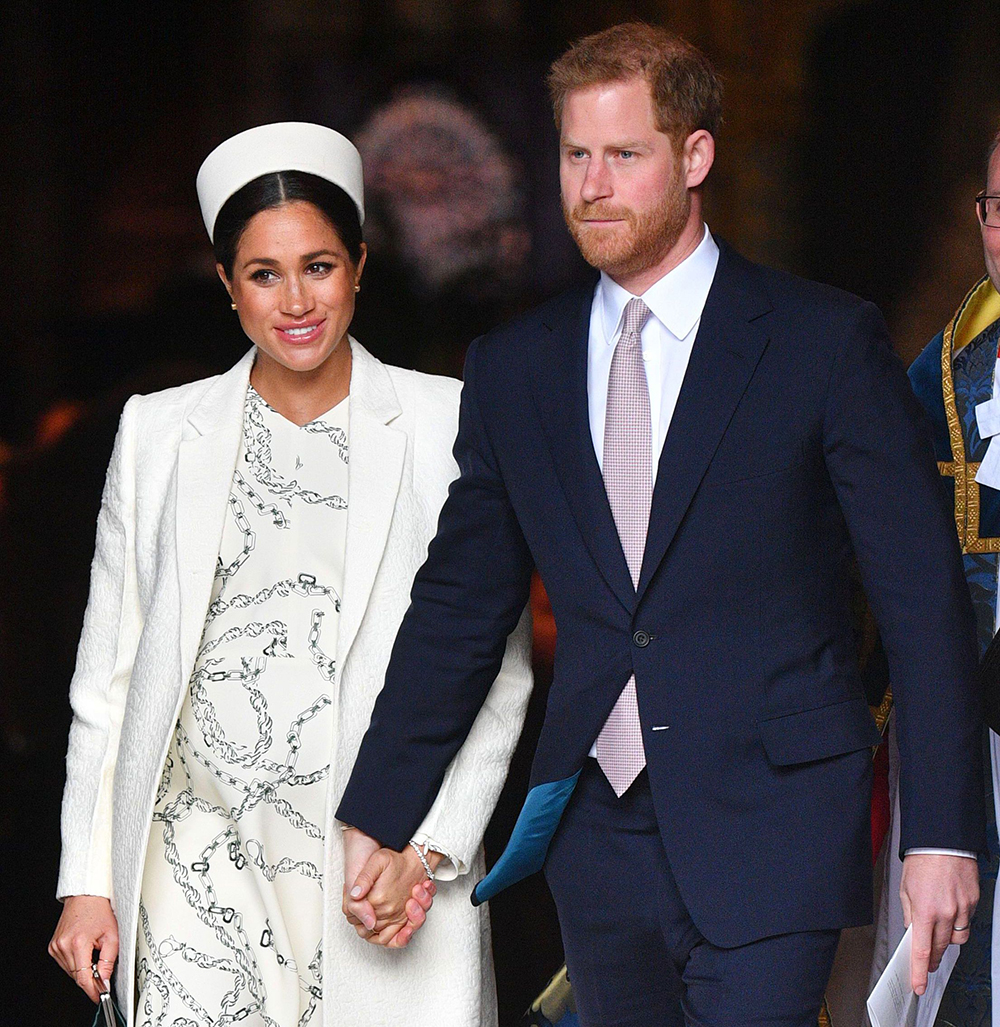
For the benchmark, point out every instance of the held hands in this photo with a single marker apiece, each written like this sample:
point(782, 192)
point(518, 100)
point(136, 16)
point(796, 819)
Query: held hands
point(386, 894)
point(939, 896)
point(87, 923)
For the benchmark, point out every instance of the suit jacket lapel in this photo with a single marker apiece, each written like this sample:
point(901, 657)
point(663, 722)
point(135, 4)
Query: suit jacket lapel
point(728, 347)
point(560, 388)
point(377, 454)
point(210, 442)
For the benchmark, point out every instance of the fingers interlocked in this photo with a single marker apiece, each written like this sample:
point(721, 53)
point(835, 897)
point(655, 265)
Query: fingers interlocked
point(389, 898)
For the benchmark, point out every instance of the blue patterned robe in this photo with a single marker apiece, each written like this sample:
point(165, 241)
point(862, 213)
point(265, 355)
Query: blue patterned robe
point(950, 387)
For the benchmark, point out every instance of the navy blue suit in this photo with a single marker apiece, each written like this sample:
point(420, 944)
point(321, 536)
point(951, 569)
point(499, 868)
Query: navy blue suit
point(795, 441)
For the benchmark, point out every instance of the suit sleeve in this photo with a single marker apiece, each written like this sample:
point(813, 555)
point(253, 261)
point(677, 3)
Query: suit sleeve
point(879, 456)
point(111, 628)
point(465, 602)
point(457, 821)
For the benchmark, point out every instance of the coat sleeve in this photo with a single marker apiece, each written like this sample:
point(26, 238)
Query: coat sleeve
point(466, 600)
point(879, 456)
point(111, 629)
point(457, 821)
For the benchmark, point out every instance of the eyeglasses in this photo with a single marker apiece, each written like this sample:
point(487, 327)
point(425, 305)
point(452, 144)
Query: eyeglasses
point(988, 208)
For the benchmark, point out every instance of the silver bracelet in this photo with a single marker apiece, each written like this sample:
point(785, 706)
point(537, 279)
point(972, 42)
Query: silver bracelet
point(423, 859)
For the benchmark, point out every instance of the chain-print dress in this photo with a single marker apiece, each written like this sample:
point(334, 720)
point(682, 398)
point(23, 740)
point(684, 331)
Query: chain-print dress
point(231, 911)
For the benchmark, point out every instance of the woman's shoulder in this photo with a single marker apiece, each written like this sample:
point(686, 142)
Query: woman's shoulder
point(166, 402)
point(431, 390)
point(430, 402)
point(156, 418)
point(168, 407)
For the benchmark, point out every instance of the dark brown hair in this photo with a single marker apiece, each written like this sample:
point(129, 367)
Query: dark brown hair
point(687, 93)
point(272, 190)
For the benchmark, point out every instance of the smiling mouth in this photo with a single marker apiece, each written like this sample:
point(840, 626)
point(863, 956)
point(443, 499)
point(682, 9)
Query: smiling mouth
point(302, 333)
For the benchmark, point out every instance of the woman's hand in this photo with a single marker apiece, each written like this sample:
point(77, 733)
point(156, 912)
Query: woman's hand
point(400, 893)
point(87, 923)
point(390, 913)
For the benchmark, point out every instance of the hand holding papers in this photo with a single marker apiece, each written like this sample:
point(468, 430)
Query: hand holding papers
point(892, 1002)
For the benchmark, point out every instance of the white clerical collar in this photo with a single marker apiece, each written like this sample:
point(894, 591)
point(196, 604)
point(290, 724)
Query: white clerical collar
point(676, 300)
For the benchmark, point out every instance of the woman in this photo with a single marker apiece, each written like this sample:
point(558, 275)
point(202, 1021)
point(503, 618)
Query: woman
point(255, 548)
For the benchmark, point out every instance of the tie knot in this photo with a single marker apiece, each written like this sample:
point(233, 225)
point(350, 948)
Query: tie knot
point(636, 315)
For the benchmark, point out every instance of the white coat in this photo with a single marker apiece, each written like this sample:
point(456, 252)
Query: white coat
point(158, 537)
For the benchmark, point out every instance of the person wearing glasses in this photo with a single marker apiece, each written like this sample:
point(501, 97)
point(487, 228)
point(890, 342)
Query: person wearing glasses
point(256, 544)
point(954, 380)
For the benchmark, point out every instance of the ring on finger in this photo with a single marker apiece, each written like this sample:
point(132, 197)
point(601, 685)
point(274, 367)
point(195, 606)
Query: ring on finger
point(958, 930)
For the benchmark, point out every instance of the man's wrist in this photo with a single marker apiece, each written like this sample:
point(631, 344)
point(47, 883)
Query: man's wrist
point(941, 852)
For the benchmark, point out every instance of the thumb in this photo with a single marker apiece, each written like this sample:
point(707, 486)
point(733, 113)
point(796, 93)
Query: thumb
point(370, 873)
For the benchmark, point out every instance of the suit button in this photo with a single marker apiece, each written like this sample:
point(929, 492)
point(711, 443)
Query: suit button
point(641, 639)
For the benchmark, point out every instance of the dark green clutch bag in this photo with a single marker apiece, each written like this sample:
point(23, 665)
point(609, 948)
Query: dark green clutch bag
point(108, 1013)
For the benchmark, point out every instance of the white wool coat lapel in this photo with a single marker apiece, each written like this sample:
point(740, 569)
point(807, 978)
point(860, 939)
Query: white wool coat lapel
point(206, 458)
point(377, 451)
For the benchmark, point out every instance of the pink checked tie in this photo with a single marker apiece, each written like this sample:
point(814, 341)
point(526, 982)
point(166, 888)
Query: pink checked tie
point(628, 480)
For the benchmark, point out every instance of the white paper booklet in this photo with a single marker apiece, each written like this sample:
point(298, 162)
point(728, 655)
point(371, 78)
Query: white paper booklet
point(892, 1002)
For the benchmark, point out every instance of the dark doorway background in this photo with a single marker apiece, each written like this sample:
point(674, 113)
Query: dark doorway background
point(851, 152)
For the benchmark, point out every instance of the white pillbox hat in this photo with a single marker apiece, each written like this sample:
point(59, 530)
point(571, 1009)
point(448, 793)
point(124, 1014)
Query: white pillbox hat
point(283, 146)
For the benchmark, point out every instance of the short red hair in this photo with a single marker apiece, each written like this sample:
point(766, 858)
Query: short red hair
point(687, 93)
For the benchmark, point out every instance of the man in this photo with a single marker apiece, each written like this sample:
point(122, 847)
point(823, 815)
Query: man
point(954, 378)
point(687, 451)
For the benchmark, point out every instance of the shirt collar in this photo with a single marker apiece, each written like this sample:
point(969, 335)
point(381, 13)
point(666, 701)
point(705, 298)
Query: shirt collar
point(676, 300)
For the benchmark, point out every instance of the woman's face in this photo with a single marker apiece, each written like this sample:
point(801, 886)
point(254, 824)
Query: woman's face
point(294, 285)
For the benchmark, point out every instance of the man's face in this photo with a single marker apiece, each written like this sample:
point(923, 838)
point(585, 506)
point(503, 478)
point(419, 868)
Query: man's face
point(991, 236)
point(624, 186)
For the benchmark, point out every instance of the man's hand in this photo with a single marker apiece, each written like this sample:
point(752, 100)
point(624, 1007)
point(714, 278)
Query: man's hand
point(397, 886)
point(939, 896)
point(384, 912)
point(87, 923)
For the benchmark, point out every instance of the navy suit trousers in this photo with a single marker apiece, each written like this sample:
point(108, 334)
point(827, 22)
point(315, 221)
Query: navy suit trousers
point(634, 956)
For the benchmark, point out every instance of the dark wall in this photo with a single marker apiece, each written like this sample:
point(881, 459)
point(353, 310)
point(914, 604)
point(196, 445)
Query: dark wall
point(850, 154)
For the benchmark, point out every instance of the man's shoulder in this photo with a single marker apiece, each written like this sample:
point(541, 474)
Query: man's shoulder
point(566, 310)
point(790, 292)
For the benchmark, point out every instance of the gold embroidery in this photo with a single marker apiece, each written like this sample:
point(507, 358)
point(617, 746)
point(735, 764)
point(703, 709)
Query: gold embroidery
point(973, 542)
point(962, 470)
point(882, 711)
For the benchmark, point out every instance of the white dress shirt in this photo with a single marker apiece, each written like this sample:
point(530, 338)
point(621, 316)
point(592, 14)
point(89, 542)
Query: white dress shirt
point(676, 302)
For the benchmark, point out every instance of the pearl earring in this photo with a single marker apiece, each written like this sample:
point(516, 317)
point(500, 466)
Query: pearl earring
point(357, 288)
point(233, 305)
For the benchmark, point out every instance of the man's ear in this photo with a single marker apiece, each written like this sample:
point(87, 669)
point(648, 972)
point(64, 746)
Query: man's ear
point(698, 157)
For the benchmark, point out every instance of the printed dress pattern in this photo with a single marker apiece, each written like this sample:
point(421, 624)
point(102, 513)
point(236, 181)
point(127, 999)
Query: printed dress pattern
point(231, 908)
